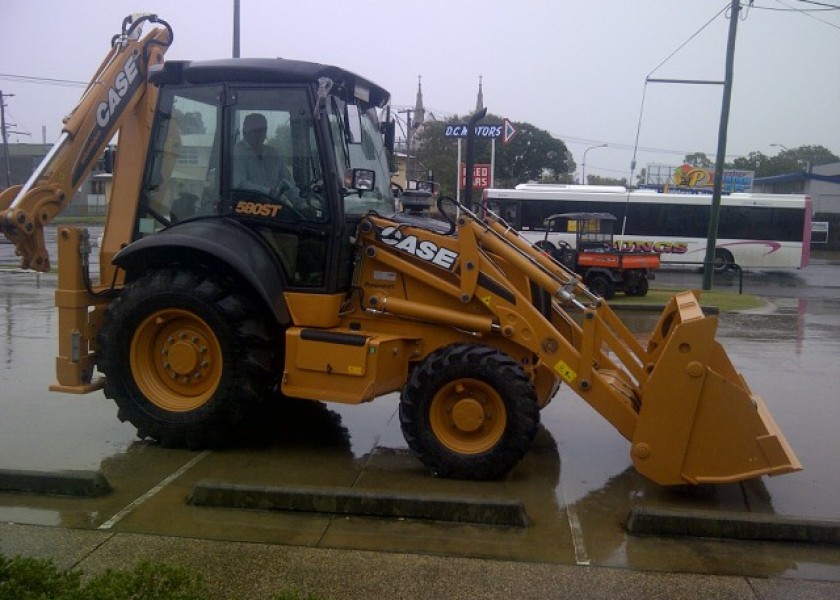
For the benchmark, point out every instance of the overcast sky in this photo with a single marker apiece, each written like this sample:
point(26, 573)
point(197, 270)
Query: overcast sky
point(576, 69)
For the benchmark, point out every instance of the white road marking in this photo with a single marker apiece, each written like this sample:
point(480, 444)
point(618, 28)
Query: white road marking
point(581, 556)
point(128, 509)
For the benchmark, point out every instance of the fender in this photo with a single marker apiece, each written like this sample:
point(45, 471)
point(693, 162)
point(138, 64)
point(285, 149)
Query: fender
point(224, 241)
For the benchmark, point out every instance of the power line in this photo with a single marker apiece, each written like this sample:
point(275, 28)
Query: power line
point(808, 14)
point(43, 80)
point(801, 10)
point(685, 43)
point(831, 6)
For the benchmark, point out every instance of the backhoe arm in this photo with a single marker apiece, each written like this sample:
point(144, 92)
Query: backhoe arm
point(109, 99)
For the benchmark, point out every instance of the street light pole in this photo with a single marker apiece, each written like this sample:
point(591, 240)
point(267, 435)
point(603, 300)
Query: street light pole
point(583, 166)
point(5, 135)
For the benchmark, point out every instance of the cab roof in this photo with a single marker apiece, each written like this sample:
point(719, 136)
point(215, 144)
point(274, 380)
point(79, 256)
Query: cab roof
point(265, 70)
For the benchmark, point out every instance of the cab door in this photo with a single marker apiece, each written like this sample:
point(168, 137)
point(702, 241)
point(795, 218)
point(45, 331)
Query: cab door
point(275, 182)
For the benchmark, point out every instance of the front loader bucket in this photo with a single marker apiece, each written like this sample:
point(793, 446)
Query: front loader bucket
point(698, 420)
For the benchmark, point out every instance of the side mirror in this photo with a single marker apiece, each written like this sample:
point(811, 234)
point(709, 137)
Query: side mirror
point(389, 131)
point(361, 180)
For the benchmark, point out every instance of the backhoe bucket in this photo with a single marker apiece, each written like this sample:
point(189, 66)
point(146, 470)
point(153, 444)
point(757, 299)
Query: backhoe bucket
point(698, 421)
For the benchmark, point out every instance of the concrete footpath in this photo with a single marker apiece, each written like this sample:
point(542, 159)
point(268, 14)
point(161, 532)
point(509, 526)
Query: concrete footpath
point(255, 571)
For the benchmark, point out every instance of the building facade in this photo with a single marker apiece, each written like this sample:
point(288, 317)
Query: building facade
point(822, 184)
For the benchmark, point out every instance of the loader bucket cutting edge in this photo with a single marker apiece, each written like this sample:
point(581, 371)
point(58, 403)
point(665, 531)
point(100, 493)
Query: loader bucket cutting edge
point(699, 422)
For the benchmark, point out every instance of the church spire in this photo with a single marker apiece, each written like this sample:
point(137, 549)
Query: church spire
point(419, 111)
point(479, 102)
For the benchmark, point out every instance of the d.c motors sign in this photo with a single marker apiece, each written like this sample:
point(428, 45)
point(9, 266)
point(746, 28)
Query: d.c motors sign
point(461, 130)
point(505, 130)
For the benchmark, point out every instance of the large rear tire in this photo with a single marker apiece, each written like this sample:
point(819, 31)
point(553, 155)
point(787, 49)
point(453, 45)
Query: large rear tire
point(469, 412)
point(187, 358)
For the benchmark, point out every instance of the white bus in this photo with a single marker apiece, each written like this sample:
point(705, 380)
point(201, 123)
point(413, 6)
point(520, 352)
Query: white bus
point(754, 230)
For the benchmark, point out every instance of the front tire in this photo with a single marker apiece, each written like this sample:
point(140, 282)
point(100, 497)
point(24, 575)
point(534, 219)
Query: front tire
point(469, 412)
point(186, 358)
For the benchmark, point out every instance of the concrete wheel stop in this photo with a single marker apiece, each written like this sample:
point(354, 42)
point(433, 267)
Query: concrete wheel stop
point(361, 502)
point(85, 484)
point(732, 525)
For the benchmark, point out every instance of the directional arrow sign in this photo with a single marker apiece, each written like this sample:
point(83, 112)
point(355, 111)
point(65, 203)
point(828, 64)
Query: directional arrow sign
point(508, 131)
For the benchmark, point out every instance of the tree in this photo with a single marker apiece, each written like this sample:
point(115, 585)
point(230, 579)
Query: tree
point(788, 160)
point(190, 122)
point(641, 177)
point(598, 180)
point(698, 159)
point(533, 154)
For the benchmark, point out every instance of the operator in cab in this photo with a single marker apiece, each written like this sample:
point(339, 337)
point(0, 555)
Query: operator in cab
point(259, 167)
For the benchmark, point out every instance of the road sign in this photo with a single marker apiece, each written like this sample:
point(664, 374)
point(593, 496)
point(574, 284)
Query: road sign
point(483, 130)
point(508, 131)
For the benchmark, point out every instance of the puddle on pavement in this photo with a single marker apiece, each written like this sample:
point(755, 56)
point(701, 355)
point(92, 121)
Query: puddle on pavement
point(30, 516)
point(788, 357)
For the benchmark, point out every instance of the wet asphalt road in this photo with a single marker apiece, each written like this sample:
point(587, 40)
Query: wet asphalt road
point(577, 483)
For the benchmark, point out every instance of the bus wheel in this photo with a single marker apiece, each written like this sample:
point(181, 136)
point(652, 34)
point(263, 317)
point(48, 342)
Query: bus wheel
point(723, 260)
point(600, 285)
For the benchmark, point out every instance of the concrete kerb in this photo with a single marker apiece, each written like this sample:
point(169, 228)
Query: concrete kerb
point(87, 484)
point(732, 525)
point(375, 503)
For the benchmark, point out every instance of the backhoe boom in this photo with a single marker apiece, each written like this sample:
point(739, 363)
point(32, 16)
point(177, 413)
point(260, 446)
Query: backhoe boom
point(107, 102)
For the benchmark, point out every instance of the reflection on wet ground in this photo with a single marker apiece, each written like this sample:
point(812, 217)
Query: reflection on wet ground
point(577, 483)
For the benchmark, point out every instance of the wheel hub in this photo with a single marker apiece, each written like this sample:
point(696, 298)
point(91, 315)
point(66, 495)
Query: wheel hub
point(468, 414)
point(185, 356)
point(176, 360)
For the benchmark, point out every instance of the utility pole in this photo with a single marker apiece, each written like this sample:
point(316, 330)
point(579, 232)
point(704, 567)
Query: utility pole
point(714, 214)
point(8, 169)
point(409, 167)
point(235, 28)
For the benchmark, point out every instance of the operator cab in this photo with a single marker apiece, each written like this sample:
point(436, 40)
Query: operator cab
point(287, 149)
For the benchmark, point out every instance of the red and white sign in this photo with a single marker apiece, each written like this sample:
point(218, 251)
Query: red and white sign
point(481, 176)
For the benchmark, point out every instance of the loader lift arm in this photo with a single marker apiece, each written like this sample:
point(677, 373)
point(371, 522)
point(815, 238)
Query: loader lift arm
point(689, 415)
point(107, 103)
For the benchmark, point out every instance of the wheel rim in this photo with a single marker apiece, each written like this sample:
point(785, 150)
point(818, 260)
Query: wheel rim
point(176, 360)
point(722, 260)
point(468, 416)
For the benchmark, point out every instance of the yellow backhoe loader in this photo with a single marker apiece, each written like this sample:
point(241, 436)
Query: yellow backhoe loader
point(252, 252)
